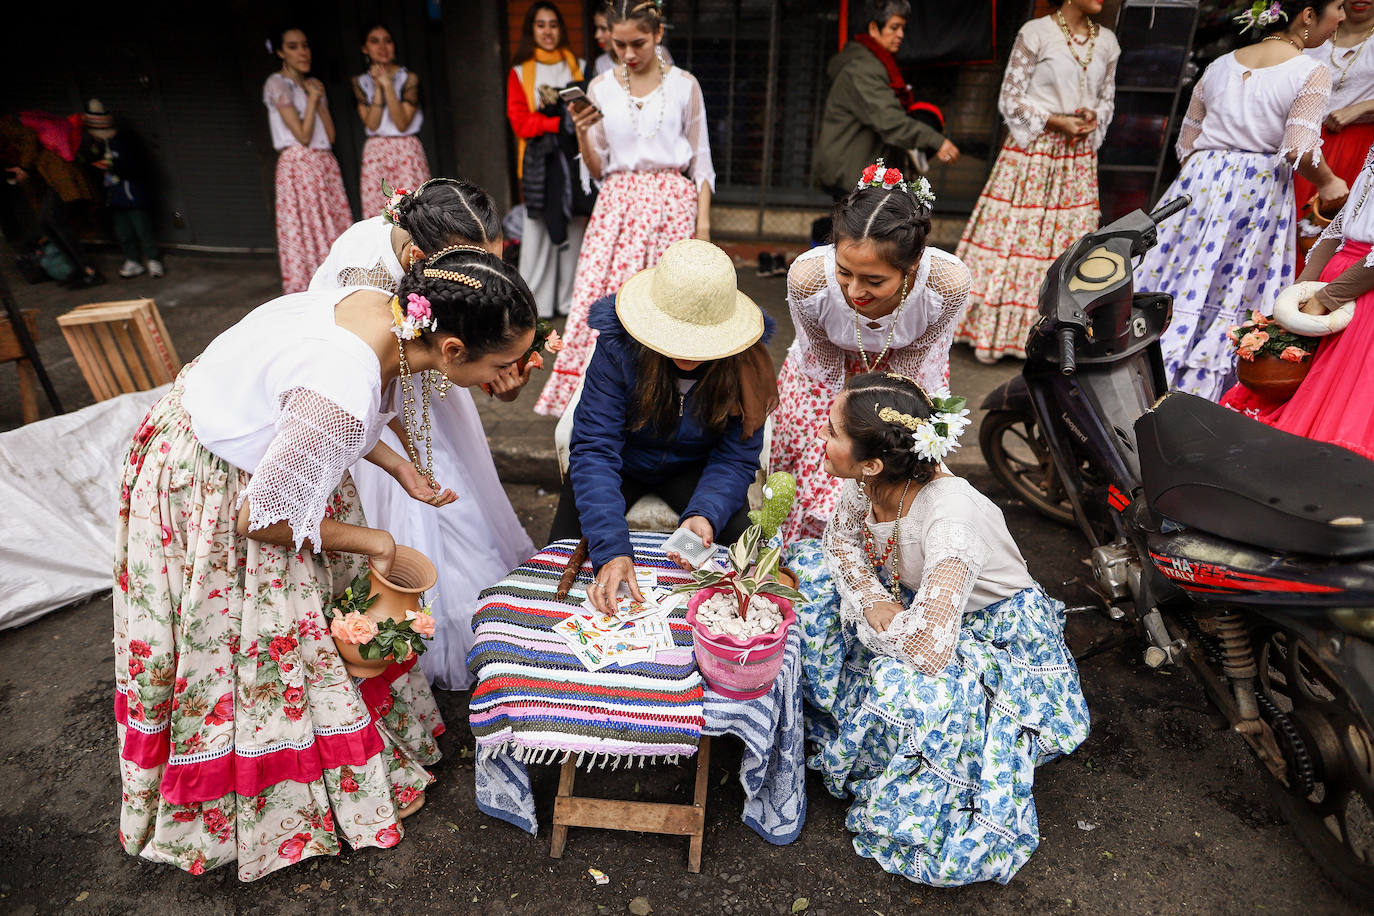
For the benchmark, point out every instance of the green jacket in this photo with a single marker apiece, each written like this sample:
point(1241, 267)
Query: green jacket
point(863, 120)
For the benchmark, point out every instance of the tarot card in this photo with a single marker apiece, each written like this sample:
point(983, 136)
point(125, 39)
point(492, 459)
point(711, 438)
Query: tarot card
point(627, 651)
point(687, 545)
point(655, 631)
point(592, 656)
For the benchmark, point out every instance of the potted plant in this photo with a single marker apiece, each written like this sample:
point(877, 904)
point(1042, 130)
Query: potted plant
point(380, 619)
point(740, 617)
point(1271, 361)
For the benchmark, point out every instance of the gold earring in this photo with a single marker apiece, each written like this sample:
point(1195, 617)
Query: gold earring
point(1304, 36)
point(443, 384)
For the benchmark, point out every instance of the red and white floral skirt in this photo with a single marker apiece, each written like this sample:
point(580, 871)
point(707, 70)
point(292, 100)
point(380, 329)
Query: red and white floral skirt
point(637, 215)
point(312, 211)
point(399, 161)
point(241, 737)
point(1036, 203)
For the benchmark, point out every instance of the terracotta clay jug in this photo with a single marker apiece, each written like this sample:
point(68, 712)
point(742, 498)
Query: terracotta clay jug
point(400, 590)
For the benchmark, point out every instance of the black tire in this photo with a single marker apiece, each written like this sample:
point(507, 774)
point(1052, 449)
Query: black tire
point(1020, 459)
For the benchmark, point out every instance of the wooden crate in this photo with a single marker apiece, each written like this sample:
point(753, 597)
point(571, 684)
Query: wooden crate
point(12, 351)
point(120, 346)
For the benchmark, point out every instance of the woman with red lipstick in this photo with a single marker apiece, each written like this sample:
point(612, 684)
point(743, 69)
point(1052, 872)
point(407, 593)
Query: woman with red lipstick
point(1348, 130)
point(312, 207)
point(643, 139)
point(1057, 98)
point(876, 299)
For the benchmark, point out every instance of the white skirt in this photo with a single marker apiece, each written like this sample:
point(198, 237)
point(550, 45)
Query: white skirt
point(473, 542)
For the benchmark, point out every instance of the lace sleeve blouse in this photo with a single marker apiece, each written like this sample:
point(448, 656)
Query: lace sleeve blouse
point(1044, 77)
point(1352, 74)
point(828, 329)
point(362, 256)
point(665, 130)
point(279, 91)
point(1276, 110)
point(292, 399)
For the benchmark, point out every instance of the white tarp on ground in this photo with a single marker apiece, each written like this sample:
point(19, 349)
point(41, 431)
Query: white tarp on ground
point(59, 488)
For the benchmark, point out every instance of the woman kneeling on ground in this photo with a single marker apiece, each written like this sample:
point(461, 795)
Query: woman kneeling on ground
point(959, 682)
point(674, 402)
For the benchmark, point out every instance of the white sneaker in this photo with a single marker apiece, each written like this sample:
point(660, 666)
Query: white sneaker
point(132, 268)
point(155, 268)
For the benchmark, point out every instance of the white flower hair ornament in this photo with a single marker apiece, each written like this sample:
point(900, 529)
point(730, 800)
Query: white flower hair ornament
point(933, 437)
point(878, 175)
point(1261, 14)
point(391, 209)
point(417, 316)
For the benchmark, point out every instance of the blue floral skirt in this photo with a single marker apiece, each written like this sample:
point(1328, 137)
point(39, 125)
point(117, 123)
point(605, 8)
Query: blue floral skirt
point(1230, 251)
point(941, 768)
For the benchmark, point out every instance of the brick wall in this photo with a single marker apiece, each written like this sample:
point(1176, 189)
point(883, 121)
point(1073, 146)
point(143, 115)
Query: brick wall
point(572, 11)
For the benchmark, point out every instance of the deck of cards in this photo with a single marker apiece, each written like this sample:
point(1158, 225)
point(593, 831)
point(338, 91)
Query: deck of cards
point(637, 632)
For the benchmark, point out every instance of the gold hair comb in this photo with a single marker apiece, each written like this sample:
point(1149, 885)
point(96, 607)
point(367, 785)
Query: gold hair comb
point(452, 248)
point(896, 417)
point(453, 275)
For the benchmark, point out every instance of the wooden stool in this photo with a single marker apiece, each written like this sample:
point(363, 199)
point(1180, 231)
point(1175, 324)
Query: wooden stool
point(12, 352)
point(120, 346)
point(645, 817)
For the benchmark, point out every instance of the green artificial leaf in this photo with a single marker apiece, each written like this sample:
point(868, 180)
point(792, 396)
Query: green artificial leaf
point(800, 904)
point(780, 590)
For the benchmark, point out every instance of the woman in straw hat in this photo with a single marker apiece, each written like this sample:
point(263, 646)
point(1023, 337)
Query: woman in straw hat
point(674, 404)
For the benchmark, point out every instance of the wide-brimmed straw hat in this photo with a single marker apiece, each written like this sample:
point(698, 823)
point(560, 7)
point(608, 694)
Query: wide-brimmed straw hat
point(688, 305)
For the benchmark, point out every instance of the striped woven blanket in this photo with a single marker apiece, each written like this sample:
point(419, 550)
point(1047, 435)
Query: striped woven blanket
point(535, 700)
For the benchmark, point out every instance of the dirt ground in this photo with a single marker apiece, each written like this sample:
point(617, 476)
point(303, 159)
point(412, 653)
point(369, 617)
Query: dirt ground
point(1158, 812)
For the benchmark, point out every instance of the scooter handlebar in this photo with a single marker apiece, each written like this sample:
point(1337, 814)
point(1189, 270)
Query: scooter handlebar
point(1169, 209)
point(1068, 356)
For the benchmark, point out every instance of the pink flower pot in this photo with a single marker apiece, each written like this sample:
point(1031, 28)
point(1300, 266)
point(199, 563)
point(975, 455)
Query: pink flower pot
point(742, 669)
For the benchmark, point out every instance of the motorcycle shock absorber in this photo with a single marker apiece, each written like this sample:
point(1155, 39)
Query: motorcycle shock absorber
point(1238, 664)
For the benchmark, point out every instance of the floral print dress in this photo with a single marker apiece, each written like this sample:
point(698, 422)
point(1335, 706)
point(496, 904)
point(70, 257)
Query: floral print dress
point(935, 726)
point(242, 738)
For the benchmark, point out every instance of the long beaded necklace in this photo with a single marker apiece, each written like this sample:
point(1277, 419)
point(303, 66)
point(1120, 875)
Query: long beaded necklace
point(1083, 62)
point(1356, 48)
point(893, 551)
point(887, 344)
point(637, 108)
point(408, 414)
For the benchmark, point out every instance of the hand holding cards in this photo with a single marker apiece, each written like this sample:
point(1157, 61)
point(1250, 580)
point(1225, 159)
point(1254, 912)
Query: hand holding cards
point(686, 544)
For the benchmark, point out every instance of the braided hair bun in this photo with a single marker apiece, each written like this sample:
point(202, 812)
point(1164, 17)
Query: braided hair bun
point(448, 211)
point(893, 219)
point(872, 437)
point(475, 296)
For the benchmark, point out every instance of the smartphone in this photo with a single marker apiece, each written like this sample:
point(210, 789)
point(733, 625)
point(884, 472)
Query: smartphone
point(575, 97)
point(688, 546)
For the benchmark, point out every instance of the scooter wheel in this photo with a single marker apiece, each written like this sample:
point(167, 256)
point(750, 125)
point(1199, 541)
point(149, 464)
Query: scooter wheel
point(1020, 459)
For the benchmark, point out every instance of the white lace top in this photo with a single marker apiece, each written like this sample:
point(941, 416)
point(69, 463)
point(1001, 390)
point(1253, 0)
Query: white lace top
point(280, 90)
point(956, 554)
point(924, 329)
point(293, 399)
point(1355, 222)
point(1352, 74)
point(362, 256)
point(626, 138)
point(1277, 110)
point(1043, 78)
point(387, 127)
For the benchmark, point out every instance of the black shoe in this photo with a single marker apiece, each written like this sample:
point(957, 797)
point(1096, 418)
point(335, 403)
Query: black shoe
point(779, 265)
point(765, 268)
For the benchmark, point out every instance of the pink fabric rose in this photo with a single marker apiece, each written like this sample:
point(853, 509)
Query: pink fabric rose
point(553, 343)
point(388, 836)
point(354, 628)
point(536, 360)
point(1294, 354)
point(1254, 340)
point(1260, 320)
point(291, 849)
point(1232, 336)
point(421, 623)
point(1246, 353)
point(417, 307)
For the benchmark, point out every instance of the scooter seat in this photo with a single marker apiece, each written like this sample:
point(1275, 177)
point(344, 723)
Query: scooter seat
point(1222, 472)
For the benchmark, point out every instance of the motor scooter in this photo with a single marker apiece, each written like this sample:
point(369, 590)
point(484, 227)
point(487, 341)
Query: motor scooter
point(1235, 549)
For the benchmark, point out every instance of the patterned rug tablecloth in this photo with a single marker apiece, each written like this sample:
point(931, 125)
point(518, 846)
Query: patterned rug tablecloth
point(534, 701)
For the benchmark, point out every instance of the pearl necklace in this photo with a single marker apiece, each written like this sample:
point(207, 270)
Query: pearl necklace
point(408, 414)
point(637, 109)
point(859, 336)
point(1357, 48)
point(1083, 62)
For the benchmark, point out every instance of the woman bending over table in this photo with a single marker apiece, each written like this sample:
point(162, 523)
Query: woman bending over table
point(676, 395)
point(242, 738)
point(959, 682)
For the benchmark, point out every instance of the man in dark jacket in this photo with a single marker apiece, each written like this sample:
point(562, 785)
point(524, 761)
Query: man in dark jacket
point(870, 111)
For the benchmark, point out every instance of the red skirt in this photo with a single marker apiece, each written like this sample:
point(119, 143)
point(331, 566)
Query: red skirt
point(400, 161)
point(1344, 151)
point(1333, 403)
point(312, 211)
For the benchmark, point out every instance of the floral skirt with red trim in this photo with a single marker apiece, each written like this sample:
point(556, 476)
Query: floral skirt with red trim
point(399, 161)
point(1036, 203)
point(242, 738)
